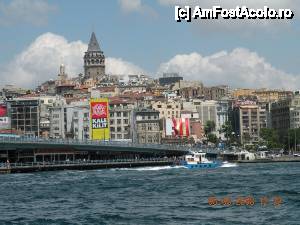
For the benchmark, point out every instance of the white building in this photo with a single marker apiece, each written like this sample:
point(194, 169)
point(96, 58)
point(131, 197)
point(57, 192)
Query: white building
point(70, 120)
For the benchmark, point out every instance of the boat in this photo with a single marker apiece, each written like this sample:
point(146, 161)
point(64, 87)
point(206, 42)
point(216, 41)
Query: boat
point(198, 160)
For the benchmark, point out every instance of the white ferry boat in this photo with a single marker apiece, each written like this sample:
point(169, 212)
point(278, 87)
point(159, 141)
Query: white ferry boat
point(198, 160)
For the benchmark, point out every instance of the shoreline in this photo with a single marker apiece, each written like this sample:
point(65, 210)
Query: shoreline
point(274, 160)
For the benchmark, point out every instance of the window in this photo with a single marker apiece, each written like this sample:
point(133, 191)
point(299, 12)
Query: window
point(55, 122)
point(119, 136)
point(125, 121)
point(86, 115)
point(119, 121)
point(119, 129)
point(118, 114)
point(125, 114)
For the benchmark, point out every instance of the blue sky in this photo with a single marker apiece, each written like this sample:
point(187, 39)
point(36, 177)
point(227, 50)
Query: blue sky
point(146, 34)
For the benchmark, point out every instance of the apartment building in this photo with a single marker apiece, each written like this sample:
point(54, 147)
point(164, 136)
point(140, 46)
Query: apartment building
point(167, 109)
point(120, 111)
point(146, 126)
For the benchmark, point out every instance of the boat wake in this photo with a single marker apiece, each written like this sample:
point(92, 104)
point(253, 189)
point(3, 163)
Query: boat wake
point(152, 168)
point(227, 164)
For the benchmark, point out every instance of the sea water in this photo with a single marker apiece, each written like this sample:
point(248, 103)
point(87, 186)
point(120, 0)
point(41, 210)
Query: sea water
point(154, 195)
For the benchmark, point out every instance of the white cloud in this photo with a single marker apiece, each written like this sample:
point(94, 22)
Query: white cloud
point(238, 68)
point(40, 62)
point(130, 5)
point(25, 11)
point(242, 26)
point(120, 67)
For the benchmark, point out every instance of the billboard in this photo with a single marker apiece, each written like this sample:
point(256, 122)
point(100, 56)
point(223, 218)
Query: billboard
point(3, 110)
point(178, 127)
point(99, 117)
point(4, 119)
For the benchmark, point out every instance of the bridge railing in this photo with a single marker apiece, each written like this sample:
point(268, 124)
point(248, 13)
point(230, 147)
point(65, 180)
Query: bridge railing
point(90, 142)
point(35, 140)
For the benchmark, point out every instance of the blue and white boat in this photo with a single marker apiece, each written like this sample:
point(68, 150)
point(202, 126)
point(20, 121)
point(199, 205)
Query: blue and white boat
point(198, 160)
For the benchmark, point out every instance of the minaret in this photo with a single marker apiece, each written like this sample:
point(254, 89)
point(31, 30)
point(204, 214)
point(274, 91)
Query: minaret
point(62, 73)
point(94, 60)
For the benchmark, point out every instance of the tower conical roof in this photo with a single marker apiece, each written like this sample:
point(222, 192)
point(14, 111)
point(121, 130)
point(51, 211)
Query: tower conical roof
point(93, 45)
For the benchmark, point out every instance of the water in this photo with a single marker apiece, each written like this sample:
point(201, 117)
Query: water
point(162, 195)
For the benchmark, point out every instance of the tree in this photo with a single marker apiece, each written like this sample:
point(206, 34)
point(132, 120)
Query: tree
point(228, 132)
point(270, 137)
point(212, 138)
point(209, 126)
point(293, 137)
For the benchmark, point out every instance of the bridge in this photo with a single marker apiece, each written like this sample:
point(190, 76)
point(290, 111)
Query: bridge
point(29, 149)
point(20, 150)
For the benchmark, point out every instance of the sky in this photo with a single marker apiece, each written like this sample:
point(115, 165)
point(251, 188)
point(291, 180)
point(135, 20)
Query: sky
point(140, 36)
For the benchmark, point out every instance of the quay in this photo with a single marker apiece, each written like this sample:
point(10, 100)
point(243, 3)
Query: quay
point(281, 159)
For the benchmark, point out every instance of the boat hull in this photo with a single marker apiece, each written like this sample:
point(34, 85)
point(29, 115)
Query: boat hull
point(202, 165)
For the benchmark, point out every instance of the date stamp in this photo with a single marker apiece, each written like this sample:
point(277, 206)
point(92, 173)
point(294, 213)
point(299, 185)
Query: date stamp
point(264, 201)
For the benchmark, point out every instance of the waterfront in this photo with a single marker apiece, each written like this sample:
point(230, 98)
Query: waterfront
point(151, 195)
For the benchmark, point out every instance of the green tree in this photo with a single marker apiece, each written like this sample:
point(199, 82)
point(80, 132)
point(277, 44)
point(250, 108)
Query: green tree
point(270, 137)
point(228, 132)
point(293, 138)
point(212, 138)
point(209, 127)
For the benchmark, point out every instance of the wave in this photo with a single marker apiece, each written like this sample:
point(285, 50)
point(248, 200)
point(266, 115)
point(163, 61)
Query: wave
point(227, 164)
point(151, 168)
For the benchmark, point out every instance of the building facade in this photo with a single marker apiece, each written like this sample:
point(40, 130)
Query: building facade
point(252, 118)
point(25, 115)
point(167, 109)
point(146, 126)
point(120, 119)
point(70, 120)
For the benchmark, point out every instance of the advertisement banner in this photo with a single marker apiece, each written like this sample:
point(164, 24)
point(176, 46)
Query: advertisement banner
point(178, 127)
point(99, 117)
point(3, 110)
point(4, 119)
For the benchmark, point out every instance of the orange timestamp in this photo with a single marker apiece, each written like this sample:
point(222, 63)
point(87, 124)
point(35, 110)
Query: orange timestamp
point(245, 201)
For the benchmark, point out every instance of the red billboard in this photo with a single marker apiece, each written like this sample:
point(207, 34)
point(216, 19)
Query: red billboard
point(3, 110)
point(99, 110)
